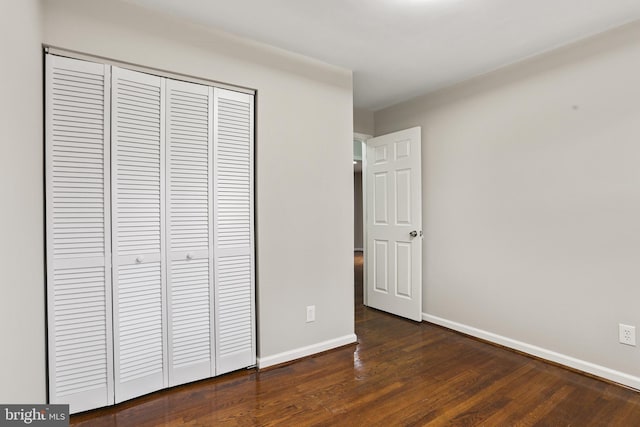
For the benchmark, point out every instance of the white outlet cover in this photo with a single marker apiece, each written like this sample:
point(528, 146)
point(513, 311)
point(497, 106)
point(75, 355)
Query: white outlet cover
point(627, 334)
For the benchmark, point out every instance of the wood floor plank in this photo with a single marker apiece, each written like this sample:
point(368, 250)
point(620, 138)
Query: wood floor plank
point(481, 392)
point(530, 392)
point(538, 414)
point(401, 373)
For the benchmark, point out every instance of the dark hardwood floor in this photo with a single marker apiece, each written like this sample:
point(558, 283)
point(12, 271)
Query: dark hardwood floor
point(400, 373)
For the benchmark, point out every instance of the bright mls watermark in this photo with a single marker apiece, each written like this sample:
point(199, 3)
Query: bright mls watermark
point(34, 415)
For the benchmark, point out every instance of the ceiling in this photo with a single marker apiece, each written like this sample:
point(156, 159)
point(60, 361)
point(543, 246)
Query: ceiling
point(399, 49)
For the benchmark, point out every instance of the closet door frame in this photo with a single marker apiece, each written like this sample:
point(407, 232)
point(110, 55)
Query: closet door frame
point(218, 365)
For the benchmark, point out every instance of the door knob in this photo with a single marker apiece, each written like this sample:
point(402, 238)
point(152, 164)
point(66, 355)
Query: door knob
point(414, 233)
point(189, 255)
point(139, 259)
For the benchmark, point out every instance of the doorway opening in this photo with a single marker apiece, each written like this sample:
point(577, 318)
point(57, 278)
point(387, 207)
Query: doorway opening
point(359, 216)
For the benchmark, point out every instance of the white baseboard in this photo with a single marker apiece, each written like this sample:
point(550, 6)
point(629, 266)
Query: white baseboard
point(562, 359)
point(298, 353)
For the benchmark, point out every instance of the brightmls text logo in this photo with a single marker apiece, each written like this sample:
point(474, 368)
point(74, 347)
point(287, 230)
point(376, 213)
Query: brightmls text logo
point(34, 415)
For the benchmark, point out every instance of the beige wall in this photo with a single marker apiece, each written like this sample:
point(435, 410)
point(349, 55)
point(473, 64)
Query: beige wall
point(304, 243)
point(22, 304)
point(531, 201)
point(363, 121)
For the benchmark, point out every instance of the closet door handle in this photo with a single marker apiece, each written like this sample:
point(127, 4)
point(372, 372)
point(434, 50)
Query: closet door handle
point(189, 256)
point(139, 259)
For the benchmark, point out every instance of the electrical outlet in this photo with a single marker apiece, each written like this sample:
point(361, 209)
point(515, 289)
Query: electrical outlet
point(311, 313)
point(627, 334)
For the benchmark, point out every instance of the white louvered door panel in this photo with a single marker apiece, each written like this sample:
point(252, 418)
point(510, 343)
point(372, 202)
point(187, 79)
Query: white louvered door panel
point(78, 240)
point(189, 232)
point(138, 233)
point(233, 231)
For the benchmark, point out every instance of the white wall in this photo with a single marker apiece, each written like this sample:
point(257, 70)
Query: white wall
point(22, 303)
point(531, 201)
point(363, 121)
point(303, 148)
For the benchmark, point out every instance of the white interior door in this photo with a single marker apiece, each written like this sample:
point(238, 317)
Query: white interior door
point(394, 224)
point(150, 232)
point(233, 231)
point(78, 238)
point(189, 232)
point(139, 291)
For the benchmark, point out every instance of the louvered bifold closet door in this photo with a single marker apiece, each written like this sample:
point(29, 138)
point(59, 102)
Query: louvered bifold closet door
point(138, 233)
point(189, 231)
point(233, 231)
point(78, 241)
